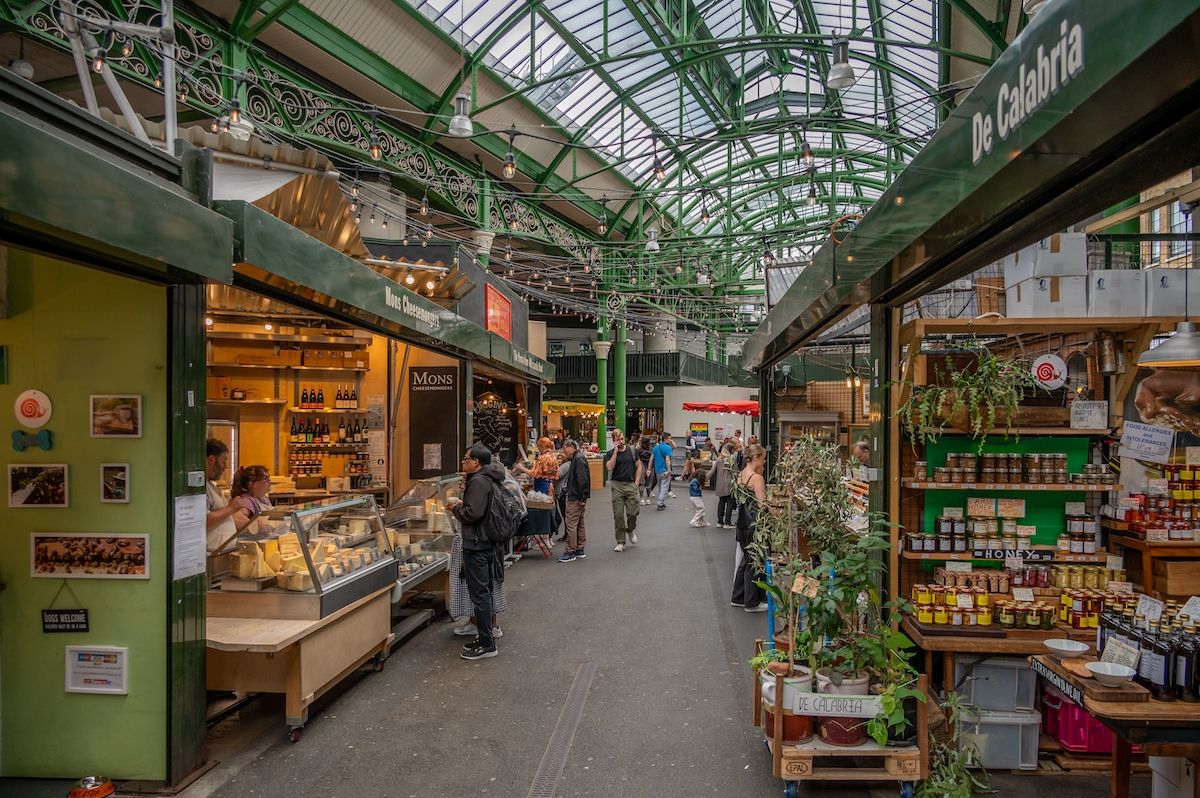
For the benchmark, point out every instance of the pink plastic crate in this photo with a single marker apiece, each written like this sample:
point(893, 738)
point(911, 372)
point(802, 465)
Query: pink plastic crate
point(1073, 726)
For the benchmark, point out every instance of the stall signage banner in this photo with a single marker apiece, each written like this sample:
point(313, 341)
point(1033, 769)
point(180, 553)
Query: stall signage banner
point(497, 310)
point(528, 362)
point(698, 430)
point(839, 706)
point(433, 403)
point(1147, 442)
point(1069, 690)
point(75, 620)
point(1040, 76)
point(402, 303)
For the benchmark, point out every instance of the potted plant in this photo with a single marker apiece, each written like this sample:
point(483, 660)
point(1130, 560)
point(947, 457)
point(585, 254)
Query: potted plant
point(775, 667)
point(954, 771)
point(973, 399)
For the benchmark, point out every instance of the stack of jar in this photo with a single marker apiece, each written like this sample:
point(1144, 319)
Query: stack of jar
point(1050, 468)
point(1094, 474)
point(1080, 609)
point(1180, 517)
point(1025, 615)
point(1084, 577)
point(992, 580)
point(940, 606)
point(1081, 537)
point(1029, 576)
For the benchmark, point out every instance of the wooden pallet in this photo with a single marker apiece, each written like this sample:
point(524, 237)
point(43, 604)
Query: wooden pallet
point(820, 761)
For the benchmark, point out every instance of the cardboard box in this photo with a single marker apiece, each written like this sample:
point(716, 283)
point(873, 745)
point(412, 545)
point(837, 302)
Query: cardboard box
point(1116, 292)
point(1060, 255)
point(357, 359)
point(1048, 297)
point(1171, 292)
point(258, 359)
point(291, 357)
point(217, 387)
point(320, 358)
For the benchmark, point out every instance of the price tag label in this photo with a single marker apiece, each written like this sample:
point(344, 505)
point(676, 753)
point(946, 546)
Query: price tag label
point(1191, 608)
point(1026, 531)
point(1022, 593)
point(1192, 454)
point(1120, 653)
point(958, 567)
point(1114, 562)
point(965, 602)
point(1157, 536)
point(1157, 486)
point(805, 586)
point(952, 512)
point(1075, 508)
point(1120, 587)
point(1011, 508)
point(1150, 607)
point(1014, 562)
point(979, 507)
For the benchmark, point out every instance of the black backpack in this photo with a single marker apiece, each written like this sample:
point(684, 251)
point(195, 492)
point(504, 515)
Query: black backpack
point(503, 517)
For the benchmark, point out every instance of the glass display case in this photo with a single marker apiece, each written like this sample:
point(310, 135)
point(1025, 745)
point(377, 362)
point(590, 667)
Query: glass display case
point(420, 529)
point(305, 561)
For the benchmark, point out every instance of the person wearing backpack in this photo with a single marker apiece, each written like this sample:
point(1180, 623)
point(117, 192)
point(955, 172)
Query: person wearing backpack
point(480, 511)
point(578, 490)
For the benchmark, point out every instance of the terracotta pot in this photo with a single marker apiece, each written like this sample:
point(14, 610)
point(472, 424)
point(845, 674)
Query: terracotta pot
point(843, 731)
point(796, 728)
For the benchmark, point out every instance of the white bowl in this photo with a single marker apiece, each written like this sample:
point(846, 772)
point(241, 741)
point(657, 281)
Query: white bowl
point(1110, 674)
point(1062, 647)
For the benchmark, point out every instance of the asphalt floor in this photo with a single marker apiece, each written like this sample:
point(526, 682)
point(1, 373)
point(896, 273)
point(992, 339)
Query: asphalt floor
point(667, 710)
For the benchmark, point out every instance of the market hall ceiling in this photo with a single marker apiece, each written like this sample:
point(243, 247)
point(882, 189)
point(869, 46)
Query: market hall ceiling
point(727, 98)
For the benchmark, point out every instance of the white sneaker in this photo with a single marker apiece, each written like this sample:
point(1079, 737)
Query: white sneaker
point(466, 630)
point(670, 494)
point(497, 632)
point(619, 547)
point(632, 539)
point(757, 608)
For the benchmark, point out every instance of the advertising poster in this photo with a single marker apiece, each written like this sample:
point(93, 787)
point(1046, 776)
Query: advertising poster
point(1167, 399)
point(432, 421)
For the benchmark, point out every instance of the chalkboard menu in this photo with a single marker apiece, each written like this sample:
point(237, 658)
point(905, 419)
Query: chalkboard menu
point(494, 428)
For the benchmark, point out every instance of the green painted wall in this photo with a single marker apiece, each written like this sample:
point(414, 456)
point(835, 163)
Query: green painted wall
point(73, 331)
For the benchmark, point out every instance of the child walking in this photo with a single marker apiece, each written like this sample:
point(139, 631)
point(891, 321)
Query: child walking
point(696, 494)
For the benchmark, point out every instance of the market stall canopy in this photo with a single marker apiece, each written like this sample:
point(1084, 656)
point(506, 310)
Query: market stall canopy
point(741, 407)
point(572, 408)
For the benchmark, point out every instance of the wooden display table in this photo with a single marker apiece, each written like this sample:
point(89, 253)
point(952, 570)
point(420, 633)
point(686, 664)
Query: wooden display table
point(1174, 549)
point(300, 659)
point(1014, 643)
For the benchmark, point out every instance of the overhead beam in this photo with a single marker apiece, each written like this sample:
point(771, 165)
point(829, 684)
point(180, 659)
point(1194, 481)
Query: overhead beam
point(1186, 193)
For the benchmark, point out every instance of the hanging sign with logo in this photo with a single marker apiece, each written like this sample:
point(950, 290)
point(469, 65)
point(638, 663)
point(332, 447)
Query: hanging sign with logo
point(33, 409)
point(1050, 372)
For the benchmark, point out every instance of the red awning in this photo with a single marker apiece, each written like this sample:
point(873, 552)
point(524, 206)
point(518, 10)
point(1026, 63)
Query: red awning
point(742, 407)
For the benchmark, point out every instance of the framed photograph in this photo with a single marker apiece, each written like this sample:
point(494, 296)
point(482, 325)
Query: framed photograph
point(116, 415)
point(38, 485)
point(87, 555)
point(114, 483)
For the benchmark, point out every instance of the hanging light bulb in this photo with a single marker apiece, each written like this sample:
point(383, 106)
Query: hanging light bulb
point(268, 326)
point(358, 218)
point(509, 169)
point(126, 49)
point(372, 220)
point(385, 220)
point(354, 189)
point(705, 216)
point(353, 206)
point(812, 195)
point(235, 111)
point(208, 322)
point(768, 258)
point(409, 279)
point(841, 74)
point(508, 254)
point(99, 59)
point(216, 124)
point(425, 204)
point(374, 146)
point(806, 154)
point(158, 81)
point(405, 236)
point(428, 232)
point(660, 171)
point(430, 285)
point(183, 93)
point(857, 381)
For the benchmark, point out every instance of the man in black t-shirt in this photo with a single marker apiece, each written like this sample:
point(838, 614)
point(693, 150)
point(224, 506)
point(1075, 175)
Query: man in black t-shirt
point(624, 475)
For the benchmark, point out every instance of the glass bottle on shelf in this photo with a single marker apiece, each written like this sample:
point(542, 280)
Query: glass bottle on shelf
point(1138, 638)
point(1163, 676)
point(362, 435)
point(308, 431)
point(341, 434)
point(320, 397)
point(354, 398)
point(1186, 653)
point(337, 399)
point(304, 398)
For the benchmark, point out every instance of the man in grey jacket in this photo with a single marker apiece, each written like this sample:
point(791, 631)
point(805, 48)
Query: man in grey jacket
point(482, 565)
point(578, 490)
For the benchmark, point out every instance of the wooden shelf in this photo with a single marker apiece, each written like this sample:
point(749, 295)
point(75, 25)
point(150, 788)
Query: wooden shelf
point(241, 366)
point(1002, 432)
point(1005, 326)
point(1067, 488)
point(228, 402)
point(962, 556)
point(327, 368)
point(313, 446)
point(289, 368)
point(1113, 525)
point(327, 411)
point(1138, 544)
point(356, 342)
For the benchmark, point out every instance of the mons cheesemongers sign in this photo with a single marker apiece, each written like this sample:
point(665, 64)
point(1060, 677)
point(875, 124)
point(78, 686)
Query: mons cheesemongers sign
point(1041, 75)
point(401, 302)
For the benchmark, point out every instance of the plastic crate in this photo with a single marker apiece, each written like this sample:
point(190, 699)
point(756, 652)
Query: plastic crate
point(1076, 729)
point(997, 684)
point(1005, 740)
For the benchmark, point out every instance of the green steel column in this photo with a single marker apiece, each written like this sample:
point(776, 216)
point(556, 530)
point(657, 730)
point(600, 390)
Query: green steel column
point(619, 392)
point(601, 348)
point(708, 346)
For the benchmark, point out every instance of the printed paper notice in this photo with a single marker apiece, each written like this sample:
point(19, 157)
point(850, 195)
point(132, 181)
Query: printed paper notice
point(1089, 415)
point(952, 512)
point(431, 457)
point(1149, 607)
point(958, 567)
point(1114, 562)
point(97, 669)
point(190, 542)
point(1120, 653)
point(1022, 594)
point(1191, 608)
point(1147, 442)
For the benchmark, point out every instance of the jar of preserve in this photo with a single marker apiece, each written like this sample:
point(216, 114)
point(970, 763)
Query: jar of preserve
point(941, 616)
point(1008, 526)
point(1010, 542)
point(1049, 617)
point(1016, 577)
point(987, 475)
point(959, 527)
point(925, 614)
point(1064, 543)
point(970, 618)
point(957, 475)
point(941, 475)
point(1020, 616)
point(922, 595)
point(937, 595)
point(930, 542)
point(921, 471)
point(958, 543)
point(1001, 477)
point(950, 596)
point(1074, 577)
point(952, 460)
point(994, 541)
point(982, 597)
point(1006, 614)
point(945, 525)
point(983, 616)
point(956, 616)
point(1089, 543)
point(943, 541)
point(1091, 578)
point(1003, 584)
point(1076, 542)
point(1033, 616)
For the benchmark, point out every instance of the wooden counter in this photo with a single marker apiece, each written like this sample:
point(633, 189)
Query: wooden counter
point(300, 659)
point(1015, 644)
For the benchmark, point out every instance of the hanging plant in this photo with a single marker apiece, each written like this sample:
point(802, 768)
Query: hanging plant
point(973, 399)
